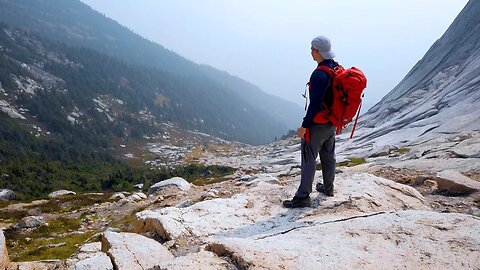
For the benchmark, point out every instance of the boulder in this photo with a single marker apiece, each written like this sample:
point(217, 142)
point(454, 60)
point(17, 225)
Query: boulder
point(455, 183)
point(60, 193)
point(31, 222)
point(7, 195)
point(133, 251)
point(169, 187)
point(4, 260)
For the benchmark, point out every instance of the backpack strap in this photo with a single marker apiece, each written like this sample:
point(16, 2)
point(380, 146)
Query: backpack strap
point(331, 74)
point(330, 71)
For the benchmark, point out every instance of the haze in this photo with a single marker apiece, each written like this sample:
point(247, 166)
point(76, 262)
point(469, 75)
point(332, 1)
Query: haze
point(267, 42)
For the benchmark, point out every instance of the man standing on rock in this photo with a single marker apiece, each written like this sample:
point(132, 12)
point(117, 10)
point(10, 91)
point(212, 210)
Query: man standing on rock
point(317, 138)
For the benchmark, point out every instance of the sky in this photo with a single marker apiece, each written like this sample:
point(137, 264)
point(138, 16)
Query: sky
point(267, 42)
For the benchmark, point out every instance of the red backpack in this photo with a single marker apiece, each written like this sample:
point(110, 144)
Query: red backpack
point(347, 87)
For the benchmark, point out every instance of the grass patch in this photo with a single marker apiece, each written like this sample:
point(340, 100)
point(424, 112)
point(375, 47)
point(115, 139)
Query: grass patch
point(12, 216)
point(195, 155)
point(208, 181)
point(30, 251)
point(71, 203)
point(24, 245)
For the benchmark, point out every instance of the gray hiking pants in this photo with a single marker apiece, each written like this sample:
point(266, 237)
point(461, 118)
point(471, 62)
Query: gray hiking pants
point(322, 141)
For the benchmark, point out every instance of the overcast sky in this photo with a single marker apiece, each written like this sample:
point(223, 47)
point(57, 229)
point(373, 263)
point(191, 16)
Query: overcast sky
point(267, 42)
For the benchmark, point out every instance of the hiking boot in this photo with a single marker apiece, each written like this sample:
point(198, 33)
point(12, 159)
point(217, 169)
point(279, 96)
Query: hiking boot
point(298, 202)
point(320, 188)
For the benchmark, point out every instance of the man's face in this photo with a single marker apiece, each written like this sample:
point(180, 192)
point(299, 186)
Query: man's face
point(314, 53)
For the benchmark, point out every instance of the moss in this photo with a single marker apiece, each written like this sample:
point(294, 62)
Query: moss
point(403, 150)
point(351, 162)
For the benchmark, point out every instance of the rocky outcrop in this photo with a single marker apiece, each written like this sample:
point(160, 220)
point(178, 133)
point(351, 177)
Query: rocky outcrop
point(357, 194)
point(438, 96)
point(370, 222)
point(400, 240)
point(133, 251)
point(169, 187)
point(7, 195)
point(4, 260)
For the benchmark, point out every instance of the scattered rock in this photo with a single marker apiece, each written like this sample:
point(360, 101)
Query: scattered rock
point(133, 251)
point(139, 187)
point(31, 222)
point(266, 178)
point(169, 186)
point(474, 211)
point(141, 195)
point(41, 265)
point(430, 186)
point(51, 245)
point(4, 260)
point(204, 260)
point(60, 193)
point(455, 183)
point(169, 244)
point(134, 198)
point(210, 194)
point(117, 196)
point(184, 203)
point(7, 195)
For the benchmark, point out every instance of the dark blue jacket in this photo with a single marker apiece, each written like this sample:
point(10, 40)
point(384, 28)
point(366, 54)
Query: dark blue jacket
point(320, 90)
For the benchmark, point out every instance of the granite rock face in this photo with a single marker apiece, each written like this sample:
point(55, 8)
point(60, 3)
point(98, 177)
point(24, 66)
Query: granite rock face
point(440, 95)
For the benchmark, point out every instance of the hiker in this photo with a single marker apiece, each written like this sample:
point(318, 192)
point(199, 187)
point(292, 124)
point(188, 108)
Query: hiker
point(317, 138)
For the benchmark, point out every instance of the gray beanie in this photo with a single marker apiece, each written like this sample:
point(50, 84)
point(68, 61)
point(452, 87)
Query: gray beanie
point(323, 46)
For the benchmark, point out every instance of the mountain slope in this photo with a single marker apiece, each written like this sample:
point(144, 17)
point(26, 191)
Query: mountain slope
point(441, 92)
point(75, 23)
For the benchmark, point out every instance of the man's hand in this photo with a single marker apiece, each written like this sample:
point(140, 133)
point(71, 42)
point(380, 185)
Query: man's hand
point(301, 132)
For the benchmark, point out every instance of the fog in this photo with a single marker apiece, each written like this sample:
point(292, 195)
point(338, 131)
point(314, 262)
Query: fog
point(267, 42)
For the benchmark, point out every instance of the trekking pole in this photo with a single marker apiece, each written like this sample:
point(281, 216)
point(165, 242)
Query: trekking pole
point(356, 120)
